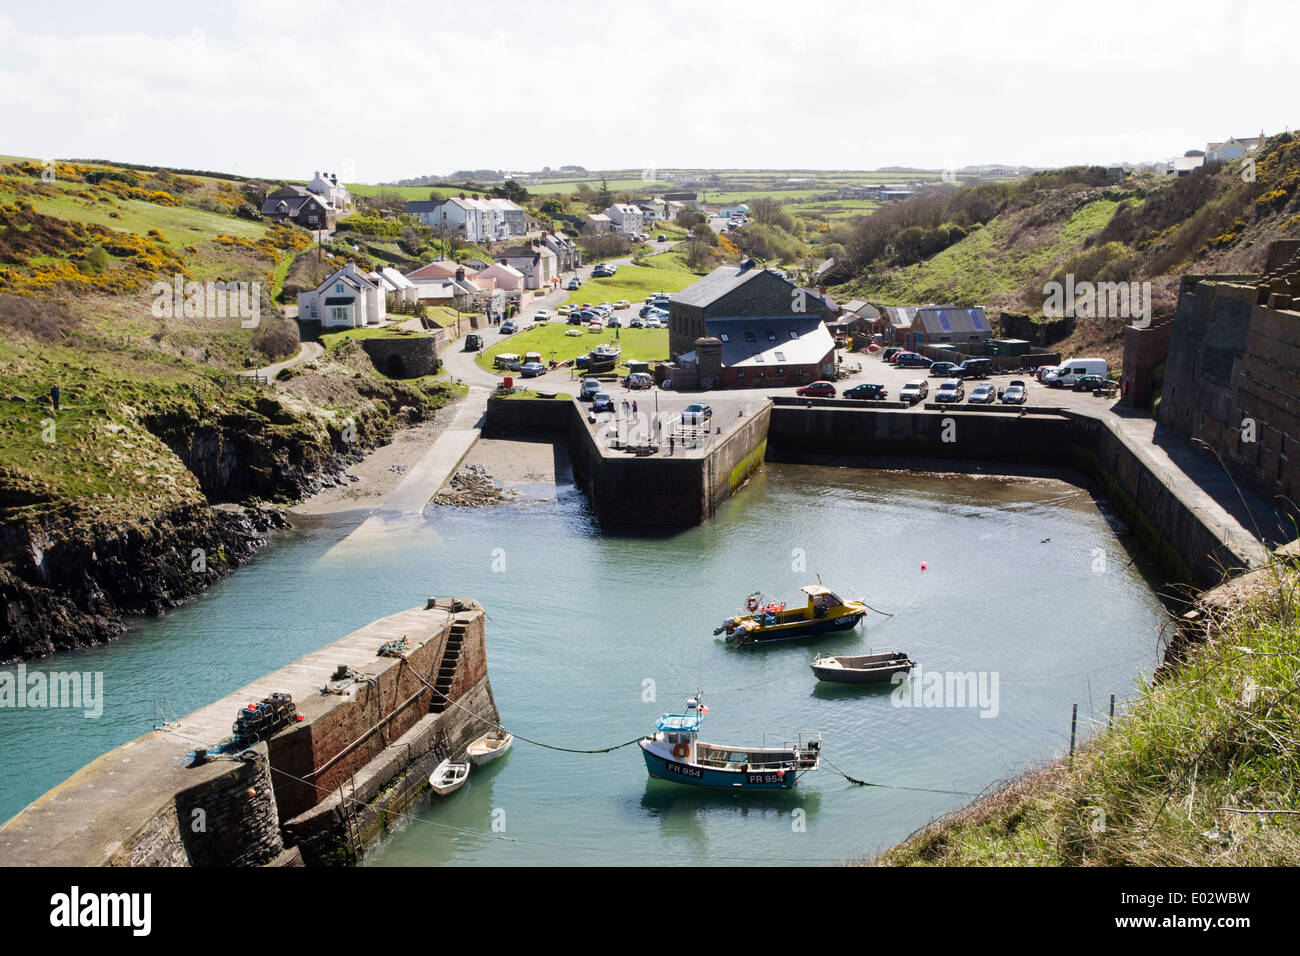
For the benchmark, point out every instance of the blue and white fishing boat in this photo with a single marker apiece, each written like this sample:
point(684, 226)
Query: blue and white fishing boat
point(675, 752)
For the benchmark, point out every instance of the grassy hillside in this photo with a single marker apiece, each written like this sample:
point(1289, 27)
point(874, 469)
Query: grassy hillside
point(155, 424)
point(997, 244)
point(1178, 780)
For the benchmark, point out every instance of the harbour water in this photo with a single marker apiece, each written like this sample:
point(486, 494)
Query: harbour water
point(592, 635)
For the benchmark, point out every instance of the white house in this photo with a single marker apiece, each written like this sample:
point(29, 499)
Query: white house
point(474, 218)
point(653, 210)
point(505, 277)
point(346, 300)
point(1232, 148)
point(330, 190)
point(626, 218)
point(396, 286)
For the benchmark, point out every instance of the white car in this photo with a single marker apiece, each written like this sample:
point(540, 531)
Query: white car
point(542, 316)
point(653, 323)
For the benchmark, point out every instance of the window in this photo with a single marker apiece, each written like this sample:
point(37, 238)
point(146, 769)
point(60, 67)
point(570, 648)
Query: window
point(758, 358)
point(740, 373)
point(771, 336)
point(338, 287)
point(780, 356)
point(724, 336)
point(794, 334)
point(780, 371)
point(749, 337)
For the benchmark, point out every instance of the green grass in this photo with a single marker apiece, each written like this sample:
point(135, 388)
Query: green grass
point(335, 340)
point(634, 283)
point(987, 263)
point(182, 225)
point(644, 345)
point(1222, 730)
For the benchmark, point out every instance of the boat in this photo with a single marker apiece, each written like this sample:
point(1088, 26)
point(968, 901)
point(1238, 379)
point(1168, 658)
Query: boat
point(862, 668)
point(449, 776)
point(674, 752)
point(489, 747)
point(771, 621)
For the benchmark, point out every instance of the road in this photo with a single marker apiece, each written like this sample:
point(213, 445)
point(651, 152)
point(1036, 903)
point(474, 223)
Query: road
point(308, 352)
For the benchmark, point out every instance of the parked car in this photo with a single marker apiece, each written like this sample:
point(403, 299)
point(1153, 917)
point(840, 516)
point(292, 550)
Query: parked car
point(950, 391)
point(1087, 383)
point(662, 237)
point(601, 402)
point(876, 392)
point(985, 394)
point(575, 318)
point(915, 391)
point(1014, 393)
point(696, 414)
point(508, 327)
point(653, 323)
point(574, 285)
point(974, 368)
point(639, 380)
point(613, 322)
point(1070, 372)
point(588, 389)
point(542, 316)
point(564, 310)
point(818, 389)
point(913, 360)
point(1041, 372)
point(600, 272)
point(622, 304)
point(473, 342)
point(637, 323)
point(532, 369)
point(890, 351)
point(943, 369)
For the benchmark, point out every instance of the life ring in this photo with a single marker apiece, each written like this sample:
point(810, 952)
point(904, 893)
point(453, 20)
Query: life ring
point(682, 751)
point(752, 603)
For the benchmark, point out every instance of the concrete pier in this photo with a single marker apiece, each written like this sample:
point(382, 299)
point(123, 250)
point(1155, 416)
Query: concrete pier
point(314, 792)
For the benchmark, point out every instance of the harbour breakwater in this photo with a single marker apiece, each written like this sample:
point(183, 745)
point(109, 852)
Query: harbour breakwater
point(375, 712)
point(1183, 508)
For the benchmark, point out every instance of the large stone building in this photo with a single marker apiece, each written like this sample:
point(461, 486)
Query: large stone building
point(762, 329)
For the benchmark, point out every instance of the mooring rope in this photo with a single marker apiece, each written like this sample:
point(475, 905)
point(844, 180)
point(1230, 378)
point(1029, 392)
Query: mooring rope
point(890, 786)
point(495, 726)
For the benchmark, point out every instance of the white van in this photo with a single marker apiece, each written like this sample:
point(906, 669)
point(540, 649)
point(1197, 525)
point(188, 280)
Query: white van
point(1073, 370)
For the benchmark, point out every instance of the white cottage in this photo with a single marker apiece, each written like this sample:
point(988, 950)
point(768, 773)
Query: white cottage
point(346, 300)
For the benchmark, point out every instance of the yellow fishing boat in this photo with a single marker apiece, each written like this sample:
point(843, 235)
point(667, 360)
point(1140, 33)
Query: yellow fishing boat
point(768, 620)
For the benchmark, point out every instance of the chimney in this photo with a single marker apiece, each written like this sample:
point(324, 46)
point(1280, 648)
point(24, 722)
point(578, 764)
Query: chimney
point(460, 274)
point(747, 265)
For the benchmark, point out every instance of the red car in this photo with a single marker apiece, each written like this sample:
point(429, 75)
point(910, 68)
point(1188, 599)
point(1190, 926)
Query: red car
point(818, 389)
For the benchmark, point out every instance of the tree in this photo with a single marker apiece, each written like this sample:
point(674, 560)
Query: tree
point(604, 198)
point(511, 190)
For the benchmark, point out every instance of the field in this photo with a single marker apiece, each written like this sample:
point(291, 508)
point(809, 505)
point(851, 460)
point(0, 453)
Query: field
point(633, 283)
point(644, 345)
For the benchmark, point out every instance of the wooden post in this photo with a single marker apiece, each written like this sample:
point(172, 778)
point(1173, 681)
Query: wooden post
point(1111, 720)
point(1074, 719)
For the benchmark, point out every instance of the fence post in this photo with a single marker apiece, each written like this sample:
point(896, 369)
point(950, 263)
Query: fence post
point(1074, 719)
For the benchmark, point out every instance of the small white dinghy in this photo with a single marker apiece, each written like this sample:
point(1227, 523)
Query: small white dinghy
point(448, 777)
point(490, 746)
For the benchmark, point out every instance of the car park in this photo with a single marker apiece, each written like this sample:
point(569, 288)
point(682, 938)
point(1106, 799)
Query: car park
point(532, 369)
point(867, 391)
point(943, 369)
point(696, 414)
point(985, 394)
point(915, 391)
point(1014, 393)
point(950, 391)
point(622, 304)
point(817, 389)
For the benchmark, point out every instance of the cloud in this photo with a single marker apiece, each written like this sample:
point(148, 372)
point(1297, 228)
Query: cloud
point(404, 89)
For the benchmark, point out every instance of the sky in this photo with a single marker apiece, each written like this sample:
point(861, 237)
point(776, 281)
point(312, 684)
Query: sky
point(388, 90)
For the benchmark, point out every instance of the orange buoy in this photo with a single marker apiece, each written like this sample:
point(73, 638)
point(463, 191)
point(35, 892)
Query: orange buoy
point(923, 565)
